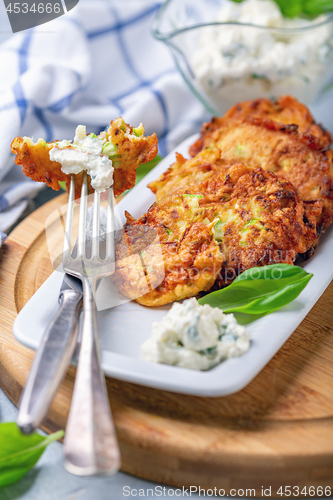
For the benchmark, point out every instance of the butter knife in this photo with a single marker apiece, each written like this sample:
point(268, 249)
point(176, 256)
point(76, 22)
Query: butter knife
point(52, 358)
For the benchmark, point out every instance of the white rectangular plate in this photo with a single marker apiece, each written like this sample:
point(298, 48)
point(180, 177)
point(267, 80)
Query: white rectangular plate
point(124, 328)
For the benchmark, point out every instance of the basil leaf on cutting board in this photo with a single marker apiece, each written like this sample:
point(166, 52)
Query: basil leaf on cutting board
point(260, 290)
point(20, 452)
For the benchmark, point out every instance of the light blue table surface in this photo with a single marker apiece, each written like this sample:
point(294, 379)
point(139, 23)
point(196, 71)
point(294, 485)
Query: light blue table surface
point(48, 480)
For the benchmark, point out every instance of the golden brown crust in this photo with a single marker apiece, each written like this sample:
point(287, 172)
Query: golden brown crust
point(36, 163)
point(299, 158)
point(167, 254)
point(132, 154)
point(286, 110)
point(184, 173)
point(265, 222)
point(231, 222)
point(275, 147)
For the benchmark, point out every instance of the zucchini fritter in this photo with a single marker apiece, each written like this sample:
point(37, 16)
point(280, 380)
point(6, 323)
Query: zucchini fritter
point(286, 110)
point(188, 243)
point(167, 254)
point(282, 150)
point(131, 151)
point(300, 158)
point(184, 173)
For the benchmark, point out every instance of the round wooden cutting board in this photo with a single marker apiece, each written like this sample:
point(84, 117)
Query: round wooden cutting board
point(277, 431)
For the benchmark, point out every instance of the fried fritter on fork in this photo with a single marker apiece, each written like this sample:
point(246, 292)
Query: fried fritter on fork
point(188, 242)
point(286, 110)
point(131, 152)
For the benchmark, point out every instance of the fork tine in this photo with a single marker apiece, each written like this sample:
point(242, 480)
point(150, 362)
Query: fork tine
point(110, 226)
point(69, 218)
point(95, 227)
point(83, 215)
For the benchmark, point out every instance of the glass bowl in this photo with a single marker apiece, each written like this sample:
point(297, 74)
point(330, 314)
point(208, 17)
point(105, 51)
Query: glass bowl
point(227, 62)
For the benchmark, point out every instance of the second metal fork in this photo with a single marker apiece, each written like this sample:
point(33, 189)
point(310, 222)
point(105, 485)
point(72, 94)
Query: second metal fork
point(90, 445)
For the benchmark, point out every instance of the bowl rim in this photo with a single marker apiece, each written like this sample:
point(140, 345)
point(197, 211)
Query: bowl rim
point(170, 34)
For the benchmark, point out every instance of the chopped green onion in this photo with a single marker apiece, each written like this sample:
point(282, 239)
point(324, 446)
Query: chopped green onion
point(209, 350)
point(218, 231)
point(255, 76)
point(193, 195)
point(139, 131)
point(109, 149)
point(251, 222)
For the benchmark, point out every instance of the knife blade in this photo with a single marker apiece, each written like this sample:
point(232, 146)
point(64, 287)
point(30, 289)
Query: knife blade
point(52, 357)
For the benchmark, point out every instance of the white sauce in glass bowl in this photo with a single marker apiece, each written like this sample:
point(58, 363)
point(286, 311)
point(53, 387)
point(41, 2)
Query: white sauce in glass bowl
point(85, 153)
point(196, 337)
point(237, 63)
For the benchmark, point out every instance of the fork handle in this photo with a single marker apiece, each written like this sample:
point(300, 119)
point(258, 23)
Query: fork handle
point(50, 363)
point(90, 445)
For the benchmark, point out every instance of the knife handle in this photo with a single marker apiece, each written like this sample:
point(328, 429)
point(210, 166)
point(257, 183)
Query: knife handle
point(51, 362)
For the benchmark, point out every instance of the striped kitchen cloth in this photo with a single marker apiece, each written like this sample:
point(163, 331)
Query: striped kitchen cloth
point(93, 64)
point(14, 200)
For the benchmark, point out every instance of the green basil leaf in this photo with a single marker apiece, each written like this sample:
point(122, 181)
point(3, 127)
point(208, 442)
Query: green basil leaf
point(274, 272)
point(260, 290)
point(290, 8)
point(20, 452)
point(316, 7)
point(245, 319)
point(144, 168)
point(293, 8)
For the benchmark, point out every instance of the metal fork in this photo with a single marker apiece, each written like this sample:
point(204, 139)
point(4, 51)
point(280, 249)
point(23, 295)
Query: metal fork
point(90, 444)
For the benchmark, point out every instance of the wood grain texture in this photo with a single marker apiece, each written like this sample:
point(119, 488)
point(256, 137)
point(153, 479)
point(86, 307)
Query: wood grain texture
point(277, 431)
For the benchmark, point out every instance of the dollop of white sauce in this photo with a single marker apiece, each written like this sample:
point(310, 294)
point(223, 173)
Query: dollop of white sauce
point(85, 153)
point(195, 336)
point(235, 63)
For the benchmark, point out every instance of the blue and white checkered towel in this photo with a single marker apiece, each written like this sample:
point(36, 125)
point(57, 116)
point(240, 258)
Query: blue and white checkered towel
point(89, 66)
